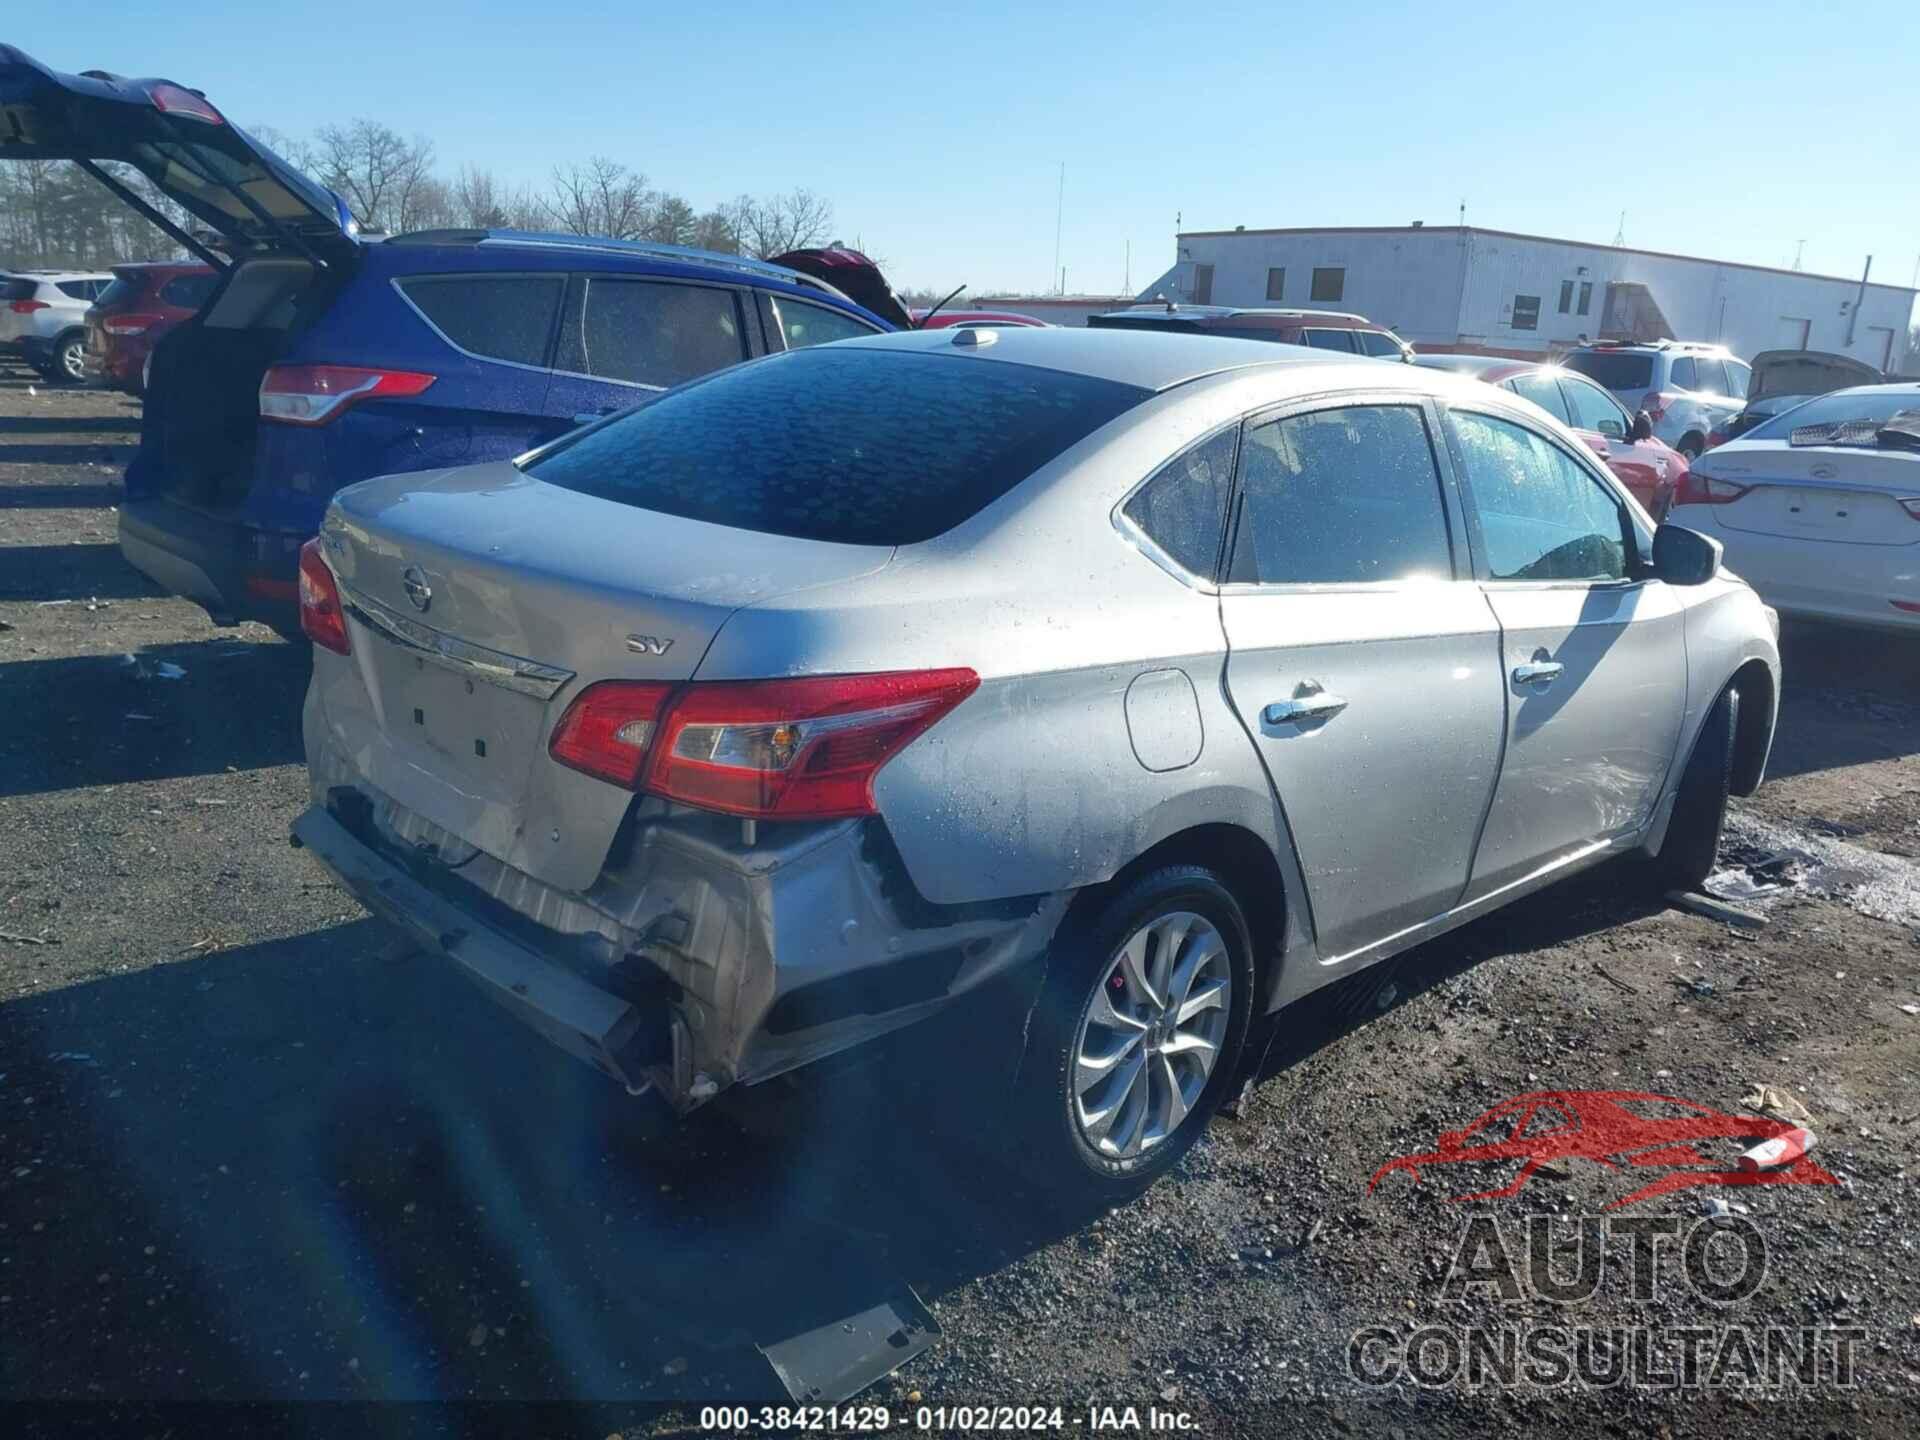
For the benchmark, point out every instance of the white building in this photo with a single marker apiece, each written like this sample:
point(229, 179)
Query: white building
point(1054, 309)
point(1459, 288)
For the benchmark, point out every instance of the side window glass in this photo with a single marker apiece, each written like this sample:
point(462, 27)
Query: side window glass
point(805, 324)
point(1329, 339)
point(1340, 497)
point(1541, 390)
point(1713, 376)
point(1739, 376)
point(508, 317)
point(1594, 409)
point(1683, 376)
point(1378, 342)
point(1182, 509)
point(646, 332)
point(1542, 515)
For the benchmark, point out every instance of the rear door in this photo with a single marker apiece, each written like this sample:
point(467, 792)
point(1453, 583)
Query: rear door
point(1363, 660)
point(625, 337)
point(1593, 660)
point(182, 144)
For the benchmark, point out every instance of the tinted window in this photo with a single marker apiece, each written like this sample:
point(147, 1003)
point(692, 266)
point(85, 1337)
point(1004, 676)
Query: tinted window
point(120, 292)
point(1276, 283)
point(1376, 342)
point(1526, 312)
point(1541, 390)
point(1711, 376)
point(16, 289)
point(1876, 404)
point(189, 292)
point(1182, 508)
point(1341, 496)
point(1739, 376)
point(75, 289)
point(805, 324)
point(861, 446)
point(647, 332)
point(1543, 516)
point(1329, 339)
point(1681, 374)
point(1593, 409)
point(1614, 369)
point(508, 317)
point(1330, 283)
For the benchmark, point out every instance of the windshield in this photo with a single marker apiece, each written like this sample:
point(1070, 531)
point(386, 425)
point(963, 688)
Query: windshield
point(854, 446)
point(1615, 369)
point(1867, 406)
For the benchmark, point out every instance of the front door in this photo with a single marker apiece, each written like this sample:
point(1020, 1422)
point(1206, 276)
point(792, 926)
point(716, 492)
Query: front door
point(1594, 660)
point(1366, 672)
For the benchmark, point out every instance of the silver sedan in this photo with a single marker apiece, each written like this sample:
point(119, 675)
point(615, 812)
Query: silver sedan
point(1179, 675)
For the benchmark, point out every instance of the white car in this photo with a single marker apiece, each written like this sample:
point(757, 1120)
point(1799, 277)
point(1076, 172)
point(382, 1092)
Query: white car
point(1819, 508)
point(43, 318)
point(1688, 388)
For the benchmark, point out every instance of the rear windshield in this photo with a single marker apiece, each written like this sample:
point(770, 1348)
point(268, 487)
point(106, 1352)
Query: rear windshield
point(18, 289)
point(1613, 370)
point(119, 292)
point(860, 447)
point(1875, 405)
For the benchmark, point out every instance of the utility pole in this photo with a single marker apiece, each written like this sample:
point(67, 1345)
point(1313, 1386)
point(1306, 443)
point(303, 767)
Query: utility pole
point(1799, 248)
point(1853, 316)
point(1059, 212)
point(1620, 235)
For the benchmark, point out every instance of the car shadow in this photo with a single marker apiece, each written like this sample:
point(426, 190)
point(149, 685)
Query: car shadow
point(71, 572)
point(74, 452)
point(110, 719)
point(1848, 697)
point(79, 495)
point(114, 425)
point(307, 1169)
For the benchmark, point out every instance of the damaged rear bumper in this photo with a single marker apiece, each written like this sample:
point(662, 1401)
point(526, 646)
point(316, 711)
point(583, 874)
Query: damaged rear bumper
point(694, 964)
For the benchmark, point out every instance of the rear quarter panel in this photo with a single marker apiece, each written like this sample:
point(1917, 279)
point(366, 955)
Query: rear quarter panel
point(1726, 627)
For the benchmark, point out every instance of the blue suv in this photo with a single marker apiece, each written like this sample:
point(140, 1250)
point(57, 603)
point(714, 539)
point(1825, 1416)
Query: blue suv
point(324, 357)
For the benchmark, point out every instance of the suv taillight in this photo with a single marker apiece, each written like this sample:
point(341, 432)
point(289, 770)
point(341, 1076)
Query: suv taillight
point(129, 324)
point(27, 307)
point(1698, 489)
point(1655, 404)
point(314, 394)
point(806, 749)
point(321, 615)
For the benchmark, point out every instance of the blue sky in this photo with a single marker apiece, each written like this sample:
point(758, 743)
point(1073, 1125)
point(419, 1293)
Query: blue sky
point(1734, 131)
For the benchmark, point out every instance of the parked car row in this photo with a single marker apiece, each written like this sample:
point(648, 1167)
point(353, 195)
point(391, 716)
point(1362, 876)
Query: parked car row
point(43, 318)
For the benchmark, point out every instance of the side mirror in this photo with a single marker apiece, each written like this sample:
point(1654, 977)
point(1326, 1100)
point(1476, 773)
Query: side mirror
point(1684, 557)
point(1642, 427)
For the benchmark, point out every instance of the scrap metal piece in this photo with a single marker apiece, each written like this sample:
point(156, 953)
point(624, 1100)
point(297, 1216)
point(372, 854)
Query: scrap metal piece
point(836, 1360)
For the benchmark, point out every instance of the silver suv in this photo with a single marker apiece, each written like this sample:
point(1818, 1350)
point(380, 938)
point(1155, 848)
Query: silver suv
point(1179, 676)
point(43, 318)
point(1687, 389)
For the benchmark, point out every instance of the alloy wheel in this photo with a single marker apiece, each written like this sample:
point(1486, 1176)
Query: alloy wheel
point(1150, 1034)
point(73, 360)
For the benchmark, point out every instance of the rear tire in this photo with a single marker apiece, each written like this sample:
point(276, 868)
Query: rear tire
point(1115, 1085)
point(1692, 843)
point(1691, 446)
point(69, 366)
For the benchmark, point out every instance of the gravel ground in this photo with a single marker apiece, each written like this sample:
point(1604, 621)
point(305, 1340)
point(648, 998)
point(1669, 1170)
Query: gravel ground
point(252, 1152)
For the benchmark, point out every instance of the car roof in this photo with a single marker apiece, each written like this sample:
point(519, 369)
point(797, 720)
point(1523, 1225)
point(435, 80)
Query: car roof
point(1690, 347)
point(1276, 313)
point(54, 277)
point(632, 249)
point(1159, 359)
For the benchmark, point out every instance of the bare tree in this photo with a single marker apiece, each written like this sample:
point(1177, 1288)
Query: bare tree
point(601, 198)
point(378, 171)
point(781, 223)
point(715, 230)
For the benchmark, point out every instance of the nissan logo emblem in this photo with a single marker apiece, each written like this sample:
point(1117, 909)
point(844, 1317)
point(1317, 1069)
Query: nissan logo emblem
point(414, 581)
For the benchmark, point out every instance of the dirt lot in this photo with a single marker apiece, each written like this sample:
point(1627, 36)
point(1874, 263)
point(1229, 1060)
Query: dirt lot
point(251, 1153)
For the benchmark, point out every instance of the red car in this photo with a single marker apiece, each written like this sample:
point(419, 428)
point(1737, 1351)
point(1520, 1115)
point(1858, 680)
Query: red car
point(944, 319)
point(145, 300)
point(1648, 467)
point(1631, 1131)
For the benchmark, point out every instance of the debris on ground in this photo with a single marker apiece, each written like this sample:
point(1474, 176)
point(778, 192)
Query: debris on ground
point(1779, 1102)
point(10, 938)
point(145, 667)
point(1780, 1150)
point(1716, 909)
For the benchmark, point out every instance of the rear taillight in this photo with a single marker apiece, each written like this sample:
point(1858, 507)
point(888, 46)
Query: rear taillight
point(608, 730)
point(129, 324)
point(765, 749)
point(171, 99)
point(1698, 489)
point(1912, 507)
point(314, 394)
point(1716, 437)
point(1655, 404)
point(320, 613)
point(27, 307)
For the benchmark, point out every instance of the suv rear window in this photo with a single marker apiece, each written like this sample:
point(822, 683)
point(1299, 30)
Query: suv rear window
point(499, 317)
point(17, 289)
point(121, 292)
point(189, 292)
point(1614, 369)
point(854, 446)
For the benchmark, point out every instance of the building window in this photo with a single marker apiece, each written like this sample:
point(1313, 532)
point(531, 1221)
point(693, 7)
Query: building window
point(1277, 283)
point(1329, 283)
point(1566, 296)
point(1526, 312)
point(1586, 296)
point(1203, 284)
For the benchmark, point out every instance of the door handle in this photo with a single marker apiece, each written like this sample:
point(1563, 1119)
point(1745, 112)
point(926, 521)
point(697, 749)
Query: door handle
point(587, 417)
point(1541, 673)
point(1321, 705)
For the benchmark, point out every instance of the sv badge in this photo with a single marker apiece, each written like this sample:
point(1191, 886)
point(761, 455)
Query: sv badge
point(649, 645)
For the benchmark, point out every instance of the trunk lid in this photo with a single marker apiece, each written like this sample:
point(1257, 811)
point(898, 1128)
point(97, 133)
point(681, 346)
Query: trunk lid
point(1806, 372)
point(483, 601)
point(210, 167)
point(1819, 492)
